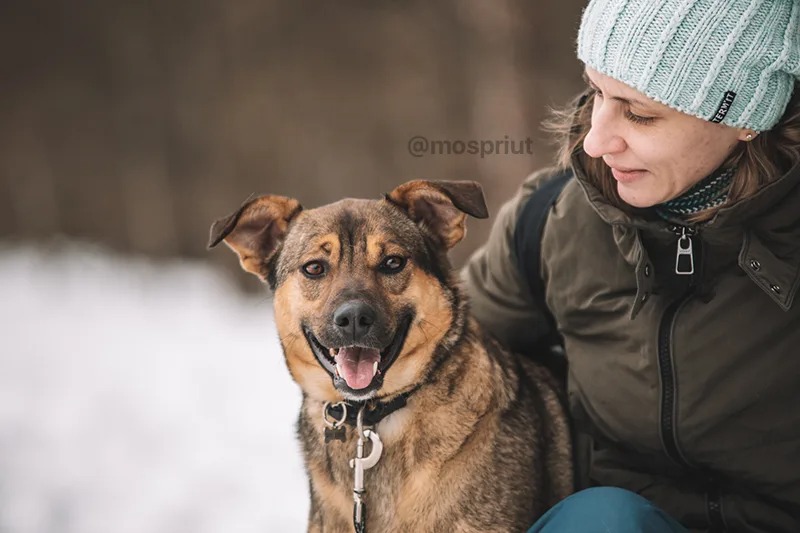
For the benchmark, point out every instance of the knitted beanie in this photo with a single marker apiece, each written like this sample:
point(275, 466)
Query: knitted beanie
point(728, 61)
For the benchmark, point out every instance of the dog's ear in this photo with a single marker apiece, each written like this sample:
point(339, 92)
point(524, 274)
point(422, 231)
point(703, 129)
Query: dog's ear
point(255, 229)
point(441, 206)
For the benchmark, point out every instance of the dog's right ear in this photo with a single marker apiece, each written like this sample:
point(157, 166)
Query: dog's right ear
point(255, 229)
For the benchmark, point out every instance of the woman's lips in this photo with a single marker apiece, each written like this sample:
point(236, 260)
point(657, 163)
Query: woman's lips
point(627, 176)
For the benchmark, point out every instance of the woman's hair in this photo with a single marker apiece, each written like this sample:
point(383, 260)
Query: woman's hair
point(758, 162)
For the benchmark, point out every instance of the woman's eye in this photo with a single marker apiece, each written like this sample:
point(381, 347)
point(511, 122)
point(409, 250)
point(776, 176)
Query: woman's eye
point(638, 119)
point(313, 269)
point(392, 264)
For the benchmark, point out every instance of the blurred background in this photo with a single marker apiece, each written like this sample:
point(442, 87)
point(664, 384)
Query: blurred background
point(141, 383)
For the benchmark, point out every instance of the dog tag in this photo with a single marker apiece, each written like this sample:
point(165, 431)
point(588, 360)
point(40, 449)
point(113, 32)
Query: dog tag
point(334, 429)
point(335, 433)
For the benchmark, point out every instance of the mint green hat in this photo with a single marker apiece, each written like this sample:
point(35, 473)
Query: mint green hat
point(728, 61)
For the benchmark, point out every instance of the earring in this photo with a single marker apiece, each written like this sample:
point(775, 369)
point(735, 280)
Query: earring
point(749, 137)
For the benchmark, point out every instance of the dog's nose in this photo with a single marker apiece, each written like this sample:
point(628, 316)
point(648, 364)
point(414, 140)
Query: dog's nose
point(353, 319)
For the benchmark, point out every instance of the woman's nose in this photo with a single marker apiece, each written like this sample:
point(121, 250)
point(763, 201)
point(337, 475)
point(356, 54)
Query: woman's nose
point(603, 136)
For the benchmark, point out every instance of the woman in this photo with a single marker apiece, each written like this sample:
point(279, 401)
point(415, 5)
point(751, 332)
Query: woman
point(668, 267)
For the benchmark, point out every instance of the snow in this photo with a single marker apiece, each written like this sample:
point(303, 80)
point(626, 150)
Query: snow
point(141, 396)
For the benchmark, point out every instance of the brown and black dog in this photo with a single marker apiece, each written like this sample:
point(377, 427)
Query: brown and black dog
point(462, 435)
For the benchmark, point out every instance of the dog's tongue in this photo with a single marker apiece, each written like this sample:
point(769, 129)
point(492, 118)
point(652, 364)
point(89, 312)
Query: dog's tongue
point(357, 366)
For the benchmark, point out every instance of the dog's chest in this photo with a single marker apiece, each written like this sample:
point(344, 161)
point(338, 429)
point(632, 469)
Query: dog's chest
point(397, 486)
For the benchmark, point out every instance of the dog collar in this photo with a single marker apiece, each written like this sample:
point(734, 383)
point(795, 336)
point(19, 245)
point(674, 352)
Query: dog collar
point(346, 412)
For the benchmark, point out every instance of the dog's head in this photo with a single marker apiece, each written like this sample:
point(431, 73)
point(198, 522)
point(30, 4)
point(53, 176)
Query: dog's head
point(364, 293)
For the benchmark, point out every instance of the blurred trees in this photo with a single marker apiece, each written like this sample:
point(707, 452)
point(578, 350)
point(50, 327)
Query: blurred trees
point(136, 124)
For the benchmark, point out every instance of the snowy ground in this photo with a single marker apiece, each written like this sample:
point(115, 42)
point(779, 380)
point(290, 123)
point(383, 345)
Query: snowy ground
point(141, 397)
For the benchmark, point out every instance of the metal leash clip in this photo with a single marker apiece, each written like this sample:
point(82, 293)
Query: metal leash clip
point(360, 464)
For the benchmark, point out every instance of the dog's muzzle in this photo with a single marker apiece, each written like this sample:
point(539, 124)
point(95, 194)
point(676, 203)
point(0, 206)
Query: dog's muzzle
point(358, 368)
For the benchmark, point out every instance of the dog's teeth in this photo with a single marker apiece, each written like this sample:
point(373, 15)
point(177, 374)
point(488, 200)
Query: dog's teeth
point(374, 368)
point(332, 352)
point(339, 369)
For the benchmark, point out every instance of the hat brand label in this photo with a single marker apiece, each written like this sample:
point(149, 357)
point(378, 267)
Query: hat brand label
point(724, 106)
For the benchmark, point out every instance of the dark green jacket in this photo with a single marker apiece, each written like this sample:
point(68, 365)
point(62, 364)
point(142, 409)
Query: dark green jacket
point(685, 389)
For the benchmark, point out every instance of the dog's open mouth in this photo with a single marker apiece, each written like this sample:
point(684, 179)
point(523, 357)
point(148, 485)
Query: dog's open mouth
point(359, 367)
point(356, 365)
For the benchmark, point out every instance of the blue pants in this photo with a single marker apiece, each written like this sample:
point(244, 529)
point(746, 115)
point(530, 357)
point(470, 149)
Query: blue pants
point(606, 510)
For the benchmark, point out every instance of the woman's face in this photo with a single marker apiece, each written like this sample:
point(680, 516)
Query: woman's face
point(655, 152)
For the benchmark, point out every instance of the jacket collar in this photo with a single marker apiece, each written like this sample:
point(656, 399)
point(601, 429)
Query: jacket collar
point(781, 194)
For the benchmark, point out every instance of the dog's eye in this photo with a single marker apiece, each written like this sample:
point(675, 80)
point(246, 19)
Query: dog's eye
point(314, 269)
point(392, 264)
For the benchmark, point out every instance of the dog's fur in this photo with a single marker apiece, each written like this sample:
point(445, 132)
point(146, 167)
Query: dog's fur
point(483, 442)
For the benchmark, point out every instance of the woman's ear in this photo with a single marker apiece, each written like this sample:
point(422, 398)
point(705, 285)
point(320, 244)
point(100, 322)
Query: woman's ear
point(747, 135)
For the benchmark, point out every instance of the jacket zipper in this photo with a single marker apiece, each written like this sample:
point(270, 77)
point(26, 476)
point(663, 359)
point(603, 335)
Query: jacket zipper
point(684, 258)
point(669, 436)
point(684, 265)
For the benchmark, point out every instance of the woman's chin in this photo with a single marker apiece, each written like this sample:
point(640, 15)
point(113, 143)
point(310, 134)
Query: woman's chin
point(636, 198)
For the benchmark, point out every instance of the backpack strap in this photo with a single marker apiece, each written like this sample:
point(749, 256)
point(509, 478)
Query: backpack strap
point(528, 238)
point(528, 234)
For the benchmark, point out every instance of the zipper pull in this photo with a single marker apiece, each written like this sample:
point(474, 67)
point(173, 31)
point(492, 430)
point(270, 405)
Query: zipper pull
point(684, 267)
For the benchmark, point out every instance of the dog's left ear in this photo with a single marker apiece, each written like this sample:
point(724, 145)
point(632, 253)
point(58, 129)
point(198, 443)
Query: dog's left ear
point(255, 229)
point(441, 206)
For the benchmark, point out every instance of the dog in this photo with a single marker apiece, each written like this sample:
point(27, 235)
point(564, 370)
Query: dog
point(413, 418)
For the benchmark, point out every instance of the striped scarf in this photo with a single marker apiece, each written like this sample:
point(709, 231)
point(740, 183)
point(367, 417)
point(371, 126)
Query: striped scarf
point(711, 191)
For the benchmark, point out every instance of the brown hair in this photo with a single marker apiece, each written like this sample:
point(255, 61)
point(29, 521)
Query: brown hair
point(758, 162)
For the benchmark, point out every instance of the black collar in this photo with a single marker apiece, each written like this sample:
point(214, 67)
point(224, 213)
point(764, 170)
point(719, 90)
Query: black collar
point(375, 410)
